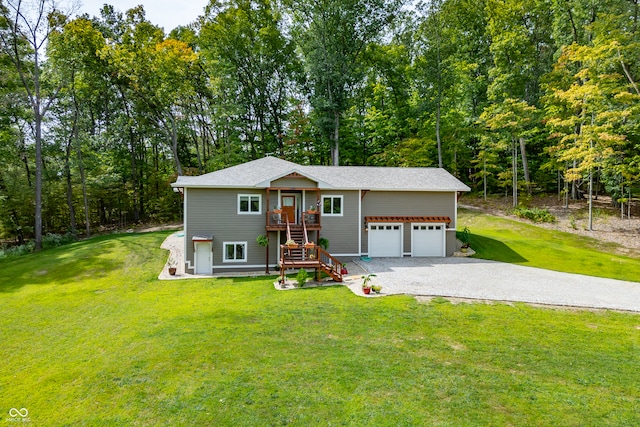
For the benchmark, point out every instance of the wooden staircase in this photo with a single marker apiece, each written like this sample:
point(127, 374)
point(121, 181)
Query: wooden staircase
point(330, 265)
point(296, 233)
point(303, 256)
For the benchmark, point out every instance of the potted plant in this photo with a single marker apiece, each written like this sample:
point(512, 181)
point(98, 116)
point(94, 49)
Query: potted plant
point(291, 243)
point(464, 237)
point(263, 241)
point(324, 243)
point(376, 288)
point(312, 209)
point(344, 270)
point(366, 283)
point(172, 266)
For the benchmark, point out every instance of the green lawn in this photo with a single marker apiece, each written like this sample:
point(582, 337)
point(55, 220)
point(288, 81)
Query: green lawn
point(517, 242)
point(89, 336)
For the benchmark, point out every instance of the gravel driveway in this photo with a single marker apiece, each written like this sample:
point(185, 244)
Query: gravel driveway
point(489, 280)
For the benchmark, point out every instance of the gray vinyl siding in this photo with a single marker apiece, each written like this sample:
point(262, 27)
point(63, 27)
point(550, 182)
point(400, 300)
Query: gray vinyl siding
point(451, 242)
point(310, 198)
point(342, 231)
point(293, 183)
point(215, 212)
point(399, 203)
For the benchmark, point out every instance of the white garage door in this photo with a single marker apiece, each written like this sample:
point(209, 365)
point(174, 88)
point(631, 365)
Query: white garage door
point(428, 240)
point(385, 240)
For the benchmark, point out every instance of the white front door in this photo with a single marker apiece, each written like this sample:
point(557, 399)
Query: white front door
point(203, 257)
point(428, 240)
point(385, 240)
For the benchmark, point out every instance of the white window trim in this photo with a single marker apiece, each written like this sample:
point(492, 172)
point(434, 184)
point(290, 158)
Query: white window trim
point(330, 196)
point(224, 251)
point(250, 212)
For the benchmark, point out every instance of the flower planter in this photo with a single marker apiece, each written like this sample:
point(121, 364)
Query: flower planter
point(366, 291)
point(172, 271)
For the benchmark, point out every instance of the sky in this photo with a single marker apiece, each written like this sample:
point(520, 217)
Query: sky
point(167, 14)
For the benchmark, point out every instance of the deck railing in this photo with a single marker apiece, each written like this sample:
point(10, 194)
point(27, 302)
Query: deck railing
point(276, 219)
point(312, 218)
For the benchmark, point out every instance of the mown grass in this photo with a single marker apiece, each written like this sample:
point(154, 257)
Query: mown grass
point(89, 336)
point(502, 239)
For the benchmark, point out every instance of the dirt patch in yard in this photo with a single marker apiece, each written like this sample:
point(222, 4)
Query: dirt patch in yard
point(608, 223)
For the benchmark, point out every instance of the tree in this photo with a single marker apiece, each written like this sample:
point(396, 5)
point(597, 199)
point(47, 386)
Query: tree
point(582, 112)
point(24, 41)
point(333, 35)
point(73, 53)
point(255, 63)
point(522, 50)
point(511, 123)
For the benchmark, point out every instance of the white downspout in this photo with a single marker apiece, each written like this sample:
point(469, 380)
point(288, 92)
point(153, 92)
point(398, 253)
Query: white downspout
point(360, 222)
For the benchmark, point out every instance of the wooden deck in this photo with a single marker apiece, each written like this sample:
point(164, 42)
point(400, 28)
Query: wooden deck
point(314, 257)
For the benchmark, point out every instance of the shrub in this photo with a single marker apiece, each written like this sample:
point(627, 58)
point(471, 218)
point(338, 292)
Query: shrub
point(301, 278)
point(534, 214)
point(51, 240)
point(464, 236)
point(16, 251)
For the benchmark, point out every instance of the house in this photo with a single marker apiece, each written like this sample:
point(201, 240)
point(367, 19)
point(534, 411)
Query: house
point(359, 210)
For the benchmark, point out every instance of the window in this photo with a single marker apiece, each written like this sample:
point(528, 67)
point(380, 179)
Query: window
point(332, 205)
point(235, 252)
point(249, 203)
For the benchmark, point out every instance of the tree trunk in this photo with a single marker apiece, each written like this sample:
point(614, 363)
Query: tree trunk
point(574, 185)
point(484, 175)
point(591, 200)
point(335, 150)
point(134, 177)
point(621, 201)
point(438, 133)
point(67, 172)
point(174, 146)
point(514, 165)
point(525, 164)
point(38, 212)
point(566, 191)
point(629, 207)
point(85, 199)
point(439, 87)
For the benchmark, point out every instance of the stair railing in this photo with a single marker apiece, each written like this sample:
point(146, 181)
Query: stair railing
point(330, 263)
point(304, 230)
point(288, 228)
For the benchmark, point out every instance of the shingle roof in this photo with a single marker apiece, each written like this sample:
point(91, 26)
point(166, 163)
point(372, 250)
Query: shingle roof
point(259, 174)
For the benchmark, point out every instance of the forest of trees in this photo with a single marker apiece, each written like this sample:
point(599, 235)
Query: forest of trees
point(99, 114)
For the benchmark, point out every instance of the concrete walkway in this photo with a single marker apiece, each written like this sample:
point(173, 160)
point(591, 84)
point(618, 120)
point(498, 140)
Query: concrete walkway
point(464, 278)
point(489, 280)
